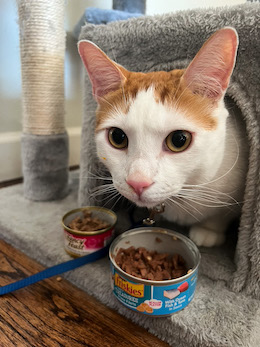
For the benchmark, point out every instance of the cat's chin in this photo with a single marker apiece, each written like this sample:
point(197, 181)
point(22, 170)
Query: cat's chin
point(147, 204)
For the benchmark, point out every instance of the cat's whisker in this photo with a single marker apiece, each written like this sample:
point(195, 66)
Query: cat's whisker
point(203, 188)
point(184, 200)
point(210, 193)
point(101, 192)
point(173, 200)
point(104, 188)
point(105, 194)
point(112, 197)
point(106, 185)
point(210, 204)
point(98, 176)
point(206, 195)
point(213, 197)
point(115, 203)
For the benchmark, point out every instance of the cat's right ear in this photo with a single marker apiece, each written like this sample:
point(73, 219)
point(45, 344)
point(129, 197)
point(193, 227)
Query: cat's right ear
point(105, 75)
point(209, 72)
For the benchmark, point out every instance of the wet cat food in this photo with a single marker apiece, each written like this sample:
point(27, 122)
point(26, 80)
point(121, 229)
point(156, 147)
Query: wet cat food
point(154, 270)
point(88, 229)
point(150, 265)
point(87, 222)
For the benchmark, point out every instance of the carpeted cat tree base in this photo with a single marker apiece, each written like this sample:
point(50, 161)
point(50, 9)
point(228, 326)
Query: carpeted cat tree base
point(45, 166)
point(216, 316)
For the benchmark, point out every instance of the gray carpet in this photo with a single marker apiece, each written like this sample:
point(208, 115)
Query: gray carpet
point(216, 316)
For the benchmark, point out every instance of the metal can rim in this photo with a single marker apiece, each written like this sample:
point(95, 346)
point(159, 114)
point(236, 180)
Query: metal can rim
point(88, 233)
point(160, 230)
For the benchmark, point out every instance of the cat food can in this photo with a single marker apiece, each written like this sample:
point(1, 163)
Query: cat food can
point(81, 242)
point(155, 298)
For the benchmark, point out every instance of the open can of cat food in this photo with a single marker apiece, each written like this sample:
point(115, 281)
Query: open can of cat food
point(154, 297)
point(88, 229)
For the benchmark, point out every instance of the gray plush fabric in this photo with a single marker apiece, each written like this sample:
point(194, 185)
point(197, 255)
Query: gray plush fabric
point(45, 166)
point(216, 317)
point(171, 41)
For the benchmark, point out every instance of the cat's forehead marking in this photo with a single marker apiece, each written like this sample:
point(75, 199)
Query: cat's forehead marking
point(168, 90)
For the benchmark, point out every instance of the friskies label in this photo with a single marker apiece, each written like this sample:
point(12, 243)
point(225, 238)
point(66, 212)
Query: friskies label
point(136, 290)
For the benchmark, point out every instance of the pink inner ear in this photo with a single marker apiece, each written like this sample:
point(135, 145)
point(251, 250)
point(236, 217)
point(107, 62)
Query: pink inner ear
point(209, 72)
point(104, 74)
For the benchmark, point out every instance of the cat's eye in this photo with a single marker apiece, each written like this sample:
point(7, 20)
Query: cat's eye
point(117, 138)
point(178, 140)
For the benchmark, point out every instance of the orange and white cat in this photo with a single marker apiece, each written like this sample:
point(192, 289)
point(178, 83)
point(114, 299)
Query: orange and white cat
point(168, 137)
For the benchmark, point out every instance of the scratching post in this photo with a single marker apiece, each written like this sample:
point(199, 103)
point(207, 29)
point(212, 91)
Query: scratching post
point(44, 139)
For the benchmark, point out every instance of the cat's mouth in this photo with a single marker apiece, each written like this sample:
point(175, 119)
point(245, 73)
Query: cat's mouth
point(143, 201)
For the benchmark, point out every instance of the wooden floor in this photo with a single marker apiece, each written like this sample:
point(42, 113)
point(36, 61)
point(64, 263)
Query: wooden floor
point(53, 312)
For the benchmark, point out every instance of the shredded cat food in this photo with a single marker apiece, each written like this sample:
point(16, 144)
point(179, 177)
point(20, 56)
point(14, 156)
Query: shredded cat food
point(87, 223)
point(150, 265)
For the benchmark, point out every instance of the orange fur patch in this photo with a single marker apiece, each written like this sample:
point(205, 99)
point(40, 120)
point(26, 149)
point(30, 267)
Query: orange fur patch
point(169, 89)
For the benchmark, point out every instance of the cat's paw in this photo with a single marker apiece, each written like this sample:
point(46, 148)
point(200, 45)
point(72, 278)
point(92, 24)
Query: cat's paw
point(206, 237)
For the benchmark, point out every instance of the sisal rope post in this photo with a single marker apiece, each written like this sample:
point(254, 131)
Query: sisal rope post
point(44, 139)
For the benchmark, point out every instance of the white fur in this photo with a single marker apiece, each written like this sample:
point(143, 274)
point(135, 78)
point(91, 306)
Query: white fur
point(212, 168)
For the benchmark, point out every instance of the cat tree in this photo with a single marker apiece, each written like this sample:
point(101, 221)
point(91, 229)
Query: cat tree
point(226, 307)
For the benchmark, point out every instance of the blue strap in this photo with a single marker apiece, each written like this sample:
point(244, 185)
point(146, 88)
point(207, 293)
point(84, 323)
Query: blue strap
point(54, 270)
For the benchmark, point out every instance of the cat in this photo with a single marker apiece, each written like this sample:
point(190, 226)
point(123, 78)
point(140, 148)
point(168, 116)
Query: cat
point(167, 136)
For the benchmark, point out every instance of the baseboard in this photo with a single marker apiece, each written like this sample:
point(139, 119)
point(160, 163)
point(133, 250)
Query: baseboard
point(10, 152)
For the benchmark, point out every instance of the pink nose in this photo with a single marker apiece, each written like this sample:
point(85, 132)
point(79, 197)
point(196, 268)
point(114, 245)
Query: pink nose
point(139, 183)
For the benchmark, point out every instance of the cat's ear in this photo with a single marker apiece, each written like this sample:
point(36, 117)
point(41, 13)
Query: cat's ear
point(105, 75)
point(209, 72)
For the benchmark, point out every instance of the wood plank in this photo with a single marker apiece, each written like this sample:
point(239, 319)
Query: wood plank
point(56, 313)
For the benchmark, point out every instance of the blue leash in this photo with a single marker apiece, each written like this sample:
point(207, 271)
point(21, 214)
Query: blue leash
point(54, 271)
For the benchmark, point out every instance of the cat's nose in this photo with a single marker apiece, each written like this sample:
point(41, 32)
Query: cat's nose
point(139, 183)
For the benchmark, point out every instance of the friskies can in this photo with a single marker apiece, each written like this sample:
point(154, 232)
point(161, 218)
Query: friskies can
point(155, 298)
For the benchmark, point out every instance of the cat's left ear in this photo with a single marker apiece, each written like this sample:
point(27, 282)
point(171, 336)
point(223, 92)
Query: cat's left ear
point(209, 72)
point(105, 75)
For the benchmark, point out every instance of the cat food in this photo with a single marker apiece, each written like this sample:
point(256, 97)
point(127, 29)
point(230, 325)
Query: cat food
point(88, 229)
point(150, 265)
point(87, 223)
point(154, 270)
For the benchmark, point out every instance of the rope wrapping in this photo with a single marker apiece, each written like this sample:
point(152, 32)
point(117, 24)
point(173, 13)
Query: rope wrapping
point(42, 47)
